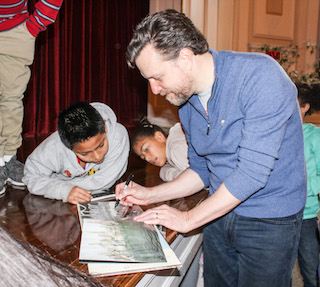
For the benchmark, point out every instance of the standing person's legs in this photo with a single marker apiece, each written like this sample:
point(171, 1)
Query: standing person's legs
point(16, 55)
point(243, 251)
point(308, 252)
point(220, 258)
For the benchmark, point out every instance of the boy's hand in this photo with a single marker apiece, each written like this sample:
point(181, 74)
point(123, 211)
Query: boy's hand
point(78, 195)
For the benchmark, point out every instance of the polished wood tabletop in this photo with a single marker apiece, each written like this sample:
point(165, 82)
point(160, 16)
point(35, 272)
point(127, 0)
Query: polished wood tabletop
point(53, 226)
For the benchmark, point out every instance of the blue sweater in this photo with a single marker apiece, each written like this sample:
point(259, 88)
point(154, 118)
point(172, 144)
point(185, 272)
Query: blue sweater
point(252, 139)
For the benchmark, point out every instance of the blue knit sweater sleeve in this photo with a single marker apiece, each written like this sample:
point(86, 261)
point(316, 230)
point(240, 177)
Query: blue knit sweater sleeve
point(268, 101)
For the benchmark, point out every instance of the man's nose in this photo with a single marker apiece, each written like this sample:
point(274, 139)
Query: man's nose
point(155, 87)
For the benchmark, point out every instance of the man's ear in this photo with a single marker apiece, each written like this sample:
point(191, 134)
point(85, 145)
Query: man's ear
point(105, 126)
point(159, 136)
point(186, 57)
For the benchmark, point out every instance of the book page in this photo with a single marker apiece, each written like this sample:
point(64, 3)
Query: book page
point(111, 234)
point(110, 269)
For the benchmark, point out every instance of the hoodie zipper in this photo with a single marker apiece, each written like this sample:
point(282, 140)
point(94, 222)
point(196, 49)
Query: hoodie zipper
point(205, 117)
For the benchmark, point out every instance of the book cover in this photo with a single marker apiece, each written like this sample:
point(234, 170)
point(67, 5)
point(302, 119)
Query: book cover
point(118, 268)
point(113, 243)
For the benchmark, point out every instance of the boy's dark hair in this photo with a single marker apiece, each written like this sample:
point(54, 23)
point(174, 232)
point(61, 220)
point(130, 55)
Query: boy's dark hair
point(169, 32)
point(309, 93)
point(145, 130)
point(79, 122)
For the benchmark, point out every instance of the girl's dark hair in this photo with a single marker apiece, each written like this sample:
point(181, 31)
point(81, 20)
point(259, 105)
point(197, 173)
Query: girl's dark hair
point(309, 93)
point(79, 122)
point(145, 130)
point(168, 32)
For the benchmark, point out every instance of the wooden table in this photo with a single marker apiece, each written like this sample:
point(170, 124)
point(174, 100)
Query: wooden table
point(53, 226)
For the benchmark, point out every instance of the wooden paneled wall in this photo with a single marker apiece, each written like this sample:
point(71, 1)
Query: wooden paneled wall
point(245, 25)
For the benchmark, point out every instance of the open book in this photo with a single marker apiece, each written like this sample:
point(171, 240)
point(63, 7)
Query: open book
point(113, 243)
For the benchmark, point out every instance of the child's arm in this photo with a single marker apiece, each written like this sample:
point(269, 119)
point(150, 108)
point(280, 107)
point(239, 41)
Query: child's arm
point(168, 172)
point(177, 156)
point(44, 15)
point(41, 178)
point(45, 171)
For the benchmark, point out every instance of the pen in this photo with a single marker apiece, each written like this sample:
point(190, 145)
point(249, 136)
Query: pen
point(130, 177)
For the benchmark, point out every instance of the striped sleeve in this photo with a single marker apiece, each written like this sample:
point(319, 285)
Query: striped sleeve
point(11, 9)
point(45, 13)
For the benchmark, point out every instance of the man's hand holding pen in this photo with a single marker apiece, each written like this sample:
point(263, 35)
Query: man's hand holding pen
point(133, 194)
point(129, 179)
point(161, 215)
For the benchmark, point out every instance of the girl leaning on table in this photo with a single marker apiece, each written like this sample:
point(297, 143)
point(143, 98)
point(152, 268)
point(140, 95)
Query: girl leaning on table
point(153, 145)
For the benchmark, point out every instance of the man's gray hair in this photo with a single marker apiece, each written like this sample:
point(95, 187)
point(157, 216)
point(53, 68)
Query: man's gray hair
point(168, 32)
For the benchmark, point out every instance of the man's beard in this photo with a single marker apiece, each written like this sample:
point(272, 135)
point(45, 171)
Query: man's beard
point(181, 94)
point(178, 100)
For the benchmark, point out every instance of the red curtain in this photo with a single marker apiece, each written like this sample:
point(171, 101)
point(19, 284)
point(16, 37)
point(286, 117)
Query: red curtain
point(82, 57)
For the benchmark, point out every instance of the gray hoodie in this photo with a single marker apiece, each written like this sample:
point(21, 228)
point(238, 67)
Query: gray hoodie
point(52, 169)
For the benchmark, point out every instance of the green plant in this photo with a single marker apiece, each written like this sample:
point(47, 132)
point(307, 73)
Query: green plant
point(288, 58)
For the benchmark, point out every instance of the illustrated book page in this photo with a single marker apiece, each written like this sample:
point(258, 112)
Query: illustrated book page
point(110, 234)
point(111, 268)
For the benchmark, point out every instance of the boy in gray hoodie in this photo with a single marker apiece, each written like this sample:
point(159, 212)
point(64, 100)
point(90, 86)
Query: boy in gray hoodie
point(89, 152)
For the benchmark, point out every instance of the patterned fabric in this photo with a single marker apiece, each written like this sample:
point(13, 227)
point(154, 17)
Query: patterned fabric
point(14, 12)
